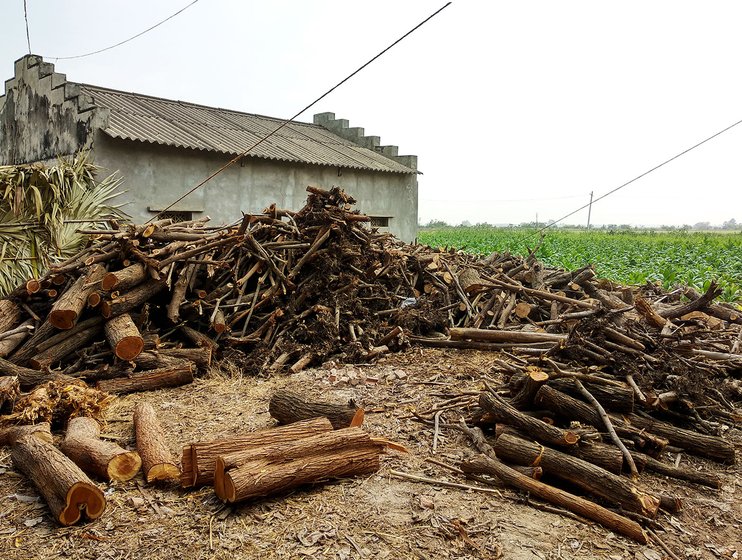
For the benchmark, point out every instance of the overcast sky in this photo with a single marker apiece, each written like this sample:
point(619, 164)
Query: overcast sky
point(515, 109)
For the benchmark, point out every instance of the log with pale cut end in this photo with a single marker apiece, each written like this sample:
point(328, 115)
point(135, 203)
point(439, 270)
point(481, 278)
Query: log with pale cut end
point(10, 315)
point(522, 310)
point(283, 451)
point(10, 390)
point(125, 278)
point(150, 380)
point(591, 478)
point(534, 378)
point(266, 477)
point(199, 459)
point(66, 310)
point(11, 434)
point(219, 323)
point(123, 336)
point(157, 461)
point(288, 406)
point(107, 460)
point(66, 489)
point(470, 281)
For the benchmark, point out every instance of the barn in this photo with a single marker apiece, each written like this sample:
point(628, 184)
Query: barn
point(162, 148)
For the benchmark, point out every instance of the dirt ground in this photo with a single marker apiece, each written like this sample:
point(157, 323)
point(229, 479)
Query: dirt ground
point(377, 516)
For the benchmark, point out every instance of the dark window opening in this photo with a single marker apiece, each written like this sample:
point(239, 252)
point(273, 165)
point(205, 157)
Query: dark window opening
point(176, 217)
point(380, 221)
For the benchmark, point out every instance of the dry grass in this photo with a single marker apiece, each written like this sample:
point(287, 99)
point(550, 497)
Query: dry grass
point(372, 517)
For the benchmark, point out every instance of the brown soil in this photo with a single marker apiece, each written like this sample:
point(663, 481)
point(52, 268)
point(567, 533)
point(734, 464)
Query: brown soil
point(372, 517)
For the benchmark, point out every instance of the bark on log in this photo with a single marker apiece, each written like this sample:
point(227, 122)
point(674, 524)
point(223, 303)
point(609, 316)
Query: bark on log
point(533, 379)
point(123, 336)
point(487, 335)
point(689, 474)
point(178, 295)
point(263, 478)
point(693, 305)
point(10, 315)
point(27, 377)
point(199, 339)
point(470, 281)
point(593, 479)
point(482, 464)
point(66, 489)
point(613, 398)
point(288, 407)
point(129, 301)
point(46, 358)
point(66, 310)
point(28, 349)
point(124, 279)
point(157, 460)
point(169, 357)
point(104, 459)
point(10, 390)
point(11, 434)
point(199, 459)
point(10, 343)
point(703, 445)
point(319, 444)
point(149, 380)
point(502, 411)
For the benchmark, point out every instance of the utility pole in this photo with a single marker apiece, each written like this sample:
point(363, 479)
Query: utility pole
point(589, 210)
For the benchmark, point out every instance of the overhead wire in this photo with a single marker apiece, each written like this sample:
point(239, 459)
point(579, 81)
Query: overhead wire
point(158, 24)
point(25, 17)
point(291, 119)
point(627, 183)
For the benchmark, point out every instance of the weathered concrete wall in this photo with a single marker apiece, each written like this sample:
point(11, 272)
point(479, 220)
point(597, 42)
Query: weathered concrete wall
point(42, 116)
point(155, 176)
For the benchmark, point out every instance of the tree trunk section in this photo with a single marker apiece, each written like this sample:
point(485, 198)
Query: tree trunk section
point(129, 301)
point(104, 459)
point(487, 335)
point(482, 464)
point(125, 278)
point(201, 457)
point(10, 315)
point(149, 380)
point(288, 407)
point(10, 390)
point(613, 398)
point(10, 343)
point(123, 336)
point(534, 378)
point(66, 310)
point(42, 431)
point(158, 462)
point(27, 377)
point(587, 476)
point(199, 339)
point(46, 358)
point(66, 489)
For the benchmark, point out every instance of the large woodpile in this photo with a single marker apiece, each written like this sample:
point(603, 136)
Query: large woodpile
point(621, 373)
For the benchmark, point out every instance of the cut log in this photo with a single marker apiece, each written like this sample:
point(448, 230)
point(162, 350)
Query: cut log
point(124, 279)
point(66, 489)
point(689, 474)
point(27, 377)
point(487, 335)
point(265, 477)
point(470, 281)
point(593, 479)
point(712, 447)
point(131, 300)
point(12, 341)
point(288, 407)
point(10, 315)
point(218, 322)
point(613, 398)
point(59, 351)
point(199, 459)
point(10, 390)
point(482, 464)
point(42, 431)
point(199, 339)
point(66, 310)
point(533, 379)
point(319, 444)
point(104, 459)
point(149, 380)
point(29, 348)
point(502, 411)
point(179, 291)
point(123, 336)
point(158, 462)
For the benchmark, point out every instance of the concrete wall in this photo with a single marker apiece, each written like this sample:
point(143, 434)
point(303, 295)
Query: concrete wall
point(155, 176)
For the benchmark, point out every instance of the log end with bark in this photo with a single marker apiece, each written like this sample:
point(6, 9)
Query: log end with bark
point(288, 407)
point(159, 463)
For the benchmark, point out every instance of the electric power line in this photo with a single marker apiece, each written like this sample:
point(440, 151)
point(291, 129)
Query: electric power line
point(287, 121)
point(627, 183)
point(25, 17)
point(120, 42)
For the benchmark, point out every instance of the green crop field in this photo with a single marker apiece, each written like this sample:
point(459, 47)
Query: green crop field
point(627, 256)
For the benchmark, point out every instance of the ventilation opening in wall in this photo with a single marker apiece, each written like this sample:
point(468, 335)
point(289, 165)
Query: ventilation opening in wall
point(176, 216)
point(380, 221)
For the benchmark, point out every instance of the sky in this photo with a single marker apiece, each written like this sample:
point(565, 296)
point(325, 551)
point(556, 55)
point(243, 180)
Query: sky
point(517, 111)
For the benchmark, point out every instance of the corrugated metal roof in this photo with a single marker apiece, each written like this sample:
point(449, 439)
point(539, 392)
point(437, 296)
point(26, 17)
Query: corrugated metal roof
point(186, 125)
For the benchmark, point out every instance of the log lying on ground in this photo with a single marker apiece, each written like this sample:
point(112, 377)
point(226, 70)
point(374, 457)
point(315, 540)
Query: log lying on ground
point(10, 390)
point(104, 459)
point(11, 434)
point(66, 310)
point(502, 411)
point(591, 478)
point(123, 336)
point(199, 459)
point(613, 398)
point(712, 447)
point(271, 469)
point(288, 407)
point(149, 380)
point(66, 489)
point(482, 464)
point(534, 378)
point(158, 462)
point(689, 474)
point(488, 335)
point(313, 448)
